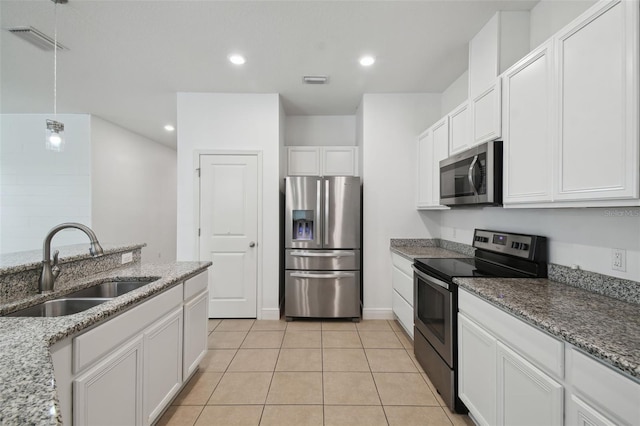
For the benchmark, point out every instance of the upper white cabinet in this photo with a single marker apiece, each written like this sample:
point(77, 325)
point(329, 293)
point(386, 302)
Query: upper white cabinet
point(598, 104)
point(499, 44)
point(322, 161)
point(459, 129)
point(570, 112)
point(433, 146)
point(528, 134)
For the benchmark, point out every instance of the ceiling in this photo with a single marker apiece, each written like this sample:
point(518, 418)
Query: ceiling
point(128, 59)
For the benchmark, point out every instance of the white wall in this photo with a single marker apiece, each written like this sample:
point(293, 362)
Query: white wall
point(134, 190)
point(228, 121)
point(455, 94)
point(314, 130)
point(39, 188)
point(390, 125)
point(549, 16)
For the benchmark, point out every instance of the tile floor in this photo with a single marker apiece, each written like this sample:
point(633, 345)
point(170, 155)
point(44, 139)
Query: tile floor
point(309, 373)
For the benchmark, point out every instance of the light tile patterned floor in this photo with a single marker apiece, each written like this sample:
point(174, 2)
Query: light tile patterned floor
point(309, 373)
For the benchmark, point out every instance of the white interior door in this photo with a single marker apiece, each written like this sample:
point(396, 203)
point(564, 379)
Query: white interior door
point(228, 232)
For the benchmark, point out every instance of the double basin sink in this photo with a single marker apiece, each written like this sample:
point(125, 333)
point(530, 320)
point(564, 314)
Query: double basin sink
point(82, 300)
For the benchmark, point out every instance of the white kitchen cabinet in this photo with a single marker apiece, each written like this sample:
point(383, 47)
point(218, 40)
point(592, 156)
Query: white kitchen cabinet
point(477, 371)
point(110, 393)
point(598, 104)
point(162, 364)
point(486, 114)
point(433, 146)
point(322, 161)
point(598, 395)
point(501, 42)
point(459, 128)
point(402, 301)
point(195, 332)
point(526, 395)
point(509, 372)
point(424, 184)
point(528, 136)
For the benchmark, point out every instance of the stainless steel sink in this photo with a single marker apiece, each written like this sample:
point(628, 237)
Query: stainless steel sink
point(59, 307)
point(111, 288)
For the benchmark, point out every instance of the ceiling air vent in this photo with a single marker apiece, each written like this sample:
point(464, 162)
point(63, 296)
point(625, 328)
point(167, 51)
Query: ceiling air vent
point(315, 79)
point(35, 37)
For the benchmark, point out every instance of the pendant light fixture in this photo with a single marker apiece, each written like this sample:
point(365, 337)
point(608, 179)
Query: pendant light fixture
point(55, 129)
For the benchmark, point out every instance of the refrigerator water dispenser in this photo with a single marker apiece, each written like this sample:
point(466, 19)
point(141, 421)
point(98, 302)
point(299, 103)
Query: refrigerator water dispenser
point(302, 225)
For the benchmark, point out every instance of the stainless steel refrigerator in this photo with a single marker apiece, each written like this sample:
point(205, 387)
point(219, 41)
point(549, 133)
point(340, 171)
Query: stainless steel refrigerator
point(322, 247)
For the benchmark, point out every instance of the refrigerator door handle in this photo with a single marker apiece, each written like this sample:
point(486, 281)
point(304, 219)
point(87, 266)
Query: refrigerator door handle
point(317, 219)
point(326, 212)
point(323, 276)
point(311, 254)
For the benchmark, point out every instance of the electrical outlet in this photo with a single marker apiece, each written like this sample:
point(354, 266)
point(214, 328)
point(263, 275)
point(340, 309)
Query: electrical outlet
point(127, 257)
point(619, 260)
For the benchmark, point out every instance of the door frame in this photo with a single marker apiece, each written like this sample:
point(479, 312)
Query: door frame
point(197, 153)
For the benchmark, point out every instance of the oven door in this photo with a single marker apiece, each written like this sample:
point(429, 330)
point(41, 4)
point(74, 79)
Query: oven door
point(433, 309)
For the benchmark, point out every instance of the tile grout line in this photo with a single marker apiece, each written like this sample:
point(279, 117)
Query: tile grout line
point(373, 377)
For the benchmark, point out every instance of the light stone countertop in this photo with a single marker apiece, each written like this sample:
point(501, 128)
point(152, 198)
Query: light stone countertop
point(27, 383)
point(417, 252)
point(605, 327)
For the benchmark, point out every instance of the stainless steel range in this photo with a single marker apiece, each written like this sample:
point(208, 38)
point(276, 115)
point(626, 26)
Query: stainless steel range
point(498, 254)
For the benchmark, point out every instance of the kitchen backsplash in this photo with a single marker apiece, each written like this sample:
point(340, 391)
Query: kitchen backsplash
point(617, 288)
point(20, 278)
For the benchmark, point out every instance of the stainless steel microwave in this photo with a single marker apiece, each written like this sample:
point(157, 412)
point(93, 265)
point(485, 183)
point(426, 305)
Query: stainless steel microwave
point(473, 177)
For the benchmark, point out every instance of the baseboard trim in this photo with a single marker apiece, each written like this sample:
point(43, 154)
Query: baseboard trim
point(270, 314)
point(377, 314)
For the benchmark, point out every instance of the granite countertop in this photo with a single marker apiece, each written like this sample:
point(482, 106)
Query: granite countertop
point(607, 328)
point(411, 252)
point(11, 263)
point(27, 383)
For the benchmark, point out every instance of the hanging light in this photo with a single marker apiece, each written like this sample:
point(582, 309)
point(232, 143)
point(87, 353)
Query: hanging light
point(55, 129)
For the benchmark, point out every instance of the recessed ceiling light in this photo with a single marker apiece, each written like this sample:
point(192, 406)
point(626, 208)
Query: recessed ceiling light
point(169, 128)
point(367, 61)
point(237, 59)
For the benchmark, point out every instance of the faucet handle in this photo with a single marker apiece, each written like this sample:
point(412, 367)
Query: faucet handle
point(55, 270)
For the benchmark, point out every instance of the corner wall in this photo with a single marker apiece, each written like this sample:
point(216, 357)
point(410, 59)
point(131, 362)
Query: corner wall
point(390, 124)
point(233, 122)
point(134, 190)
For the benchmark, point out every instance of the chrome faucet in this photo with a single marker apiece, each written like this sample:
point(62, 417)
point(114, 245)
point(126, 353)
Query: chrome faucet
point(50, 269)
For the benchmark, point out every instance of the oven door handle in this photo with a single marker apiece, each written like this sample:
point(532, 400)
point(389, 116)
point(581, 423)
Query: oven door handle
point(429, 278)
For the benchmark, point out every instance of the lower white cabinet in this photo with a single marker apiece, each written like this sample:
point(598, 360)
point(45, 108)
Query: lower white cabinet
point(162, 364)
point(477, 370)
point(195, 332)
point(126, 370)
point(511, 373)
point(110, 393)
point(402, 298)
point(526, 396)
point(499, 385)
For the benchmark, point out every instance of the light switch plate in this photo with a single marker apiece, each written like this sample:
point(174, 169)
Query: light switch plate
point(127, 257)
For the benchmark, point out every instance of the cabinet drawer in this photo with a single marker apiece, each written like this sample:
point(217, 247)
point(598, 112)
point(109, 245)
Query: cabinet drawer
point(94, 344)
point(402, 263)
point(611, 392)
point(404, 312)
point(543, 350)
point(195, 285)
point(403, 284)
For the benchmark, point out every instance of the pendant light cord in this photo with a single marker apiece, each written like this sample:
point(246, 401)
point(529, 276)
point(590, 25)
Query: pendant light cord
point(55, 60)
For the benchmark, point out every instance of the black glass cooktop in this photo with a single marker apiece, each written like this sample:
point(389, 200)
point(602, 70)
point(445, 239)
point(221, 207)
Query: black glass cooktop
point(447, 268)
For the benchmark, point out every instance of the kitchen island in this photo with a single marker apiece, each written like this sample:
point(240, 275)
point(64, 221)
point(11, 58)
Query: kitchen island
point(28, 394)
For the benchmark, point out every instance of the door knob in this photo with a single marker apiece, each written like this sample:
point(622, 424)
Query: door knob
point(252, 244)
